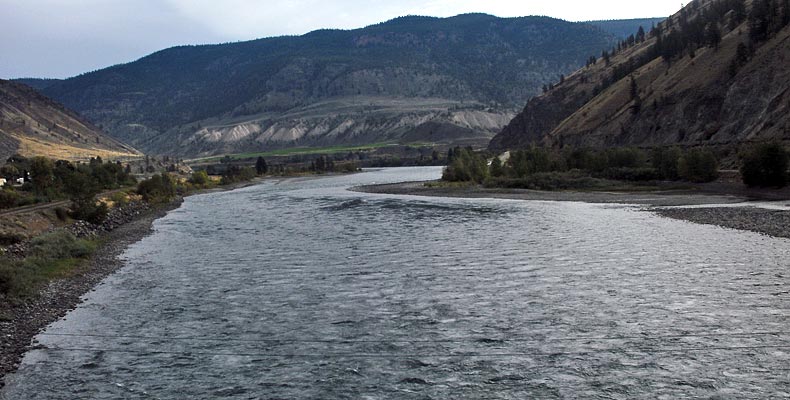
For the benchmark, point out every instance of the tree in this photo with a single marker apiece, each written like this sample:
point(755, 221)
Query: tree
point(496, 169)
point(665, 162)
point(640, 34)
point(41, 171)
point(765, 165)
point(760, 20)
point(260, 166)
point(159, 188)
point(466, 167)
point(698, 165)
point(82, 191)
point(713, 35)
point(199, 178)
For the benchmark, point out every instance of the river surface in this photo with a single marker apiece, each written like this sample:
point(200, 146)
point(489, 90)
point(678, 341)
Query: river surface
point(301, 289)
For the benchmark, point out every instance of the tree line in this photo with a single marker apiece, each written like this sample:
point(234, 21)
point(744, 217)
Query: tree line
point(763, 164)
point(48, 180)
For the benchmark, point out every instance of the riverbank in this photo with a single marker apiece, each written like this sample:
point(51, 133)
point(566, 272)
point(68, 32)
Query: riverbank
point(21, 322)
point(768, 222)
point(655, 198)
point(723, 199)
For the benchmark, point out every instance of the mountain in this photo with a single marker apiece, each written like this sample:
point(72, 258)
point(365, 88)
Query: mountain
point(381, 83)
point(717, 73)
point(622, 28)
point(37, 83)
point(34, 125)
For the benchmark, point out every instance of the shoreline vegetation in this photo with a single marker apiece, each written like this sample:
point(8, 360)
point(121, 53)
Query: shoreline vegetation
point(657, 178)
point(663, 179)
point(44, 273)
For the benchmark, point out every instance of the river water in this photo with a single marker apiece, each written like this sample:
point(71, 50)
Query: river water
point(302, 289)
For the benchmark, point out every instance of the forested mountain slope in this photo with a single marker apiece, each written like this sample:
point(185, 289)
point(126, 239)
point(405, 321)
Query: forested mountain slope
point(716, 73)
point(379, 83)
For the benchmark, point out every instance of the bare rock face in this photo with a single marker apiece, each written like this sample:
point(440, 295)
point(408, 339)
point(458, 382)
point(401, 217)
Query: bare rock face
point(355, 120)
point(695, 98)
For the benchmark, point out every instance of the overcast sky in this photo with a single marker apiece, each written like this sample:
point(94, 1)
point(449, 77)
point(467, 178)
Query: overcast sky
point(63, 38)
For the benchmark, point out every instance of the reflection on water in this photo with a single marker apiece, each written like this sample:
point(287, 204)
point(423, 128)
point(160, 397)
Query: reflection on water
point(301, 289)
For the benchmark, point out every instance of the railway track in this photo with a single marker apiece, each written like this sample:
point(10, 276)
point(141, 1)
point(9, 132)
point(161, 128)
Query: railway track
point(50, 205)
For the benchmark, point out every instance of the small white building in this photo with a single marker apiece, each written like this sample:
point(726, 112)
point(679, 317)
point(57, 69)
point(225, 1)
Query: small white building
point(3, 181)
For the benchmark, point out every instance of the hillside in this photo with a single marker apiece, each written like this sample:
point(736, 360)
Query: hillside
point(366, 85)
point(622, 28)
point(34, 125)
point(37, 83)
point(716, 73)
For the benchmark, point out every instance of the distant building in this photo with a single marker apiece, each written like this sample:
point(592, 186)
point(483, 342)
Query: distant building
point(3, 181)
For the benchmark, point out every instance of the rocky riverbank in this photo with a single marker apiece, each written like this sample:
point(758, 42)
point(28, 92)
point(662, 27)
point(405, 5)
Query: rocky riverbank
point(19, 323)
point(769, 222)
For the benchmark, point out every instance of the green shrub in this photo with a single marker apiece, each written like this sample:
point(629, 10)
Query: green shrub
point(633, 174)
point(765, 165)
point(159, 188)
point(60, 244)
point(62, 213)
point(534, 160)
point(10, 198)
point(349, 167)
point(199, 178)
point(496, 169)
point(665, 162)
point(120, 199)
point(625, 157)
point(52, 255)
point(698, 165)
point(466, 166)
point(238, 174)
point(14, 282)
point(89, 210)
point(7, 238)
point(547, 181)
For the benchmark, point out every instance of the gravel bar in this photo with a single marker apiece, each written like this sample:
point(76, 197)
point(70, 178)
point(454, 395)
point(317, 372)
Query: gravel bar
point(769, 222)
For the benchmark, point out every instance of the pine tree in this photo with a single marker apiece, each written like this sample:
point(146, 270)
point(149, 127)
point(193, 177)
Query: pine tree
point(713, 35)
point(759, 20)
point(260, 166)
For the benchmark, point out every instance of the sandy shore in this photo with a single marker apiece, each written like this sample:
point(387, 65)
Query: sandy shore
point(21, 322)
point(736, 215)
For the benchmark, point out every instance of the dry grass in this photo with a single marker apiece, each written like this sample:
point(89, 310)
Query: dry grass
point(29, 147)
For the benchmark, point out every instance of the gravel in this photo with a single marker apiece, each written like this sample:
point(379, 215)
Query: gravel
point(769, 222)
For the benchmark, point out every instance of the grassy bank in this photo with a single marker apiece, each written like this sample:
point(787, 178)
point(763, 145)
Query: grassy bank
point(51, 256)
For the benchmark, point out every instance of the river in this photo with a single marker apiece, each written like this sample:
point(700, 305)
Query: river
point(299, 288)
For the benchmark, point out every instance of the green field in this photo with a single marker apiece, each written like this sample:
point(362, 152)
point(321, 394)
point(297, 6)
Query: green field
point(305, 150)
